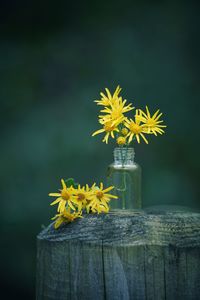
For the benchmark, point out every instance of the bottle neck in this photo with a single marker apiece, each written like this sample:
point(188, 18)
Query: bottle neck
point(124, 156)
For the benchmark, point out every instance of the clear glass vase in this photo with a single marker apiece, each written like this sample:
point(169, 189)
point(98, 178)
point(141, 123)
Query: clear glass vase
point(125, 175)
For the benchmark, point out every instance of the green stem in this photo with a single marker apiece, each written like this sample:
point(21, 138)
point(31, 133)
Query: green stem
point(123, 189)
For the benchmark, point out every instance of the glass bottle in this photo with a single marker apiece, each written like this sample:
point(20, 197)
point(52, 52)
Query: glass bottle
point(125, 175)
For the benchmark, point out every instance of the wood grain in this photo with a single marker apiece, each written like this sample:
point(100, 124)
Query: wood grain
point(146, 254)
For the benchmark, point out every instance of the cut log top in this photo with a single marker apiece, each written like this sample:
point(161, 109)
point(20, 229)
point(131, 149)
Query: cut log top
point(176, 226)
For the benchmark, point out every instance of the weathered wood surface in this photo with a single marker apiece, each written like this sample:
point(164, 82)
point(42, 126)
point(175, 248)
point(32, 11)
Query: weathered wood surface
point(152, 254)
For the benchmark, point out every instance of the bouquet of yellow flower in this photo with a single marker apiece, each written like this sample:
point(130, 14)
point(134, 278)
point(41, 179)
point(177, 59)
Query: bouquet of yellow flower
point(124, 173)
point(73, 200)
point(114, 121)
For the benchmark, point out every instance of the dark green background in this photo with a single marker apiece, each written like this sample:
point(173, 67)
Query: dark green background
point(55, 58)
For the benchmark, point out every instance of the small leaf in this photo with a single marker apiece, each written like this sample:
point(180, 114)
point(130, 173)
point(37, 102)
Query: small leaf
point(70, 182)
point(75, 185)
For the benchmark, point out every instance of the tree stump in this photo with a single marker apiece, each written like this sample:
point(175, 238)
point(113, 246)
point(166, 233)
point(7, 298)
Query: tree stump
point(152, 254)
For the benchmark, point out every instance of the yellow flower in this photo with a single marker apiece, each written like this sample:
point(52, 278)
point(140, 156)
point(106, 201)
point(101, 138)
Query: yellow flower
point(121, 140)
point(81, 196)
point(64, 197)
point(135, 129)
point(108, 99)
point(153, 125)
point(115, 113)
point(65, 217)
point(109, 129)
point(100, 199)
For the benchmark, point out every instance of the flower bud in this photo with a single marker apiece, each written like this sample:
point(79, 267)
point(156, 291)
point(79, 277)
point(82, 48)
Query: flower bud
point(121, 140)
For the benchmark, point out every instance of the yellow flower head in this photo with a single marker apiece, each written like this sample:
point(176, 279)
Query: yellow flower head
point(81, 196)
point(100, 199)
point(115, 113)
point(121, 140)
point(109, 129)
point(135, 129)
point(64, 197)
point(107, 100)
point(65, 217)
point(152, 123)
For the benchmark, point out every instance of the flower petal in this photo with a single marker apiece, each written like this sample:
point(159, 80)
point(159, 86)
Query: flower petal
point(56, 201)
point(138, 138)
point(112, 196)
point(71, 205)
point(144, 138)
point(98, 131)
point(130, 137)
point(108, 189)
point(63, 184)
point(108, 93)
point(58, 222)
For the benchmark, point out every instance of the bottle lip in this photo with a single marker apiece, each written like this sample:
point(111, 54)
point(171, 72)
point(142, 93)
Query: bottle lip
point(124, 156)
point(124, 149)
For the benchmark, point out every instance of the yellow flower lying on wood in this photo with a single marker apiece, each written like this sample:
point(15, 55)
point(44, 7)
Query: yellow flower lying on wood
point(73, 200)
point(65, 217)
point(116, 124)
point(99, 199)
point(81, 196)
point(65, 196)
